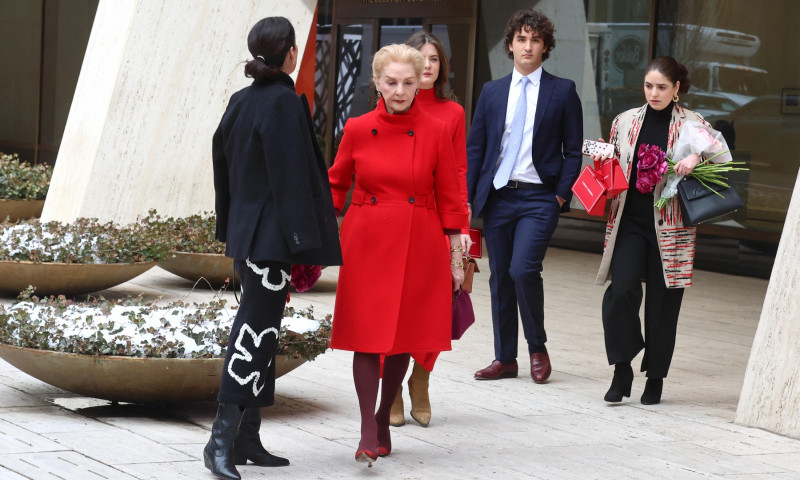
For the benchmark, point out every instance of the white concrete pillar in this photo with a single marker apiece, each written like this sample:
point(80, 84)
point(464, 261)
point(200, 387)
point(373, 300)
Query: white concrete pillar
point(770, 396)
point(155, 80)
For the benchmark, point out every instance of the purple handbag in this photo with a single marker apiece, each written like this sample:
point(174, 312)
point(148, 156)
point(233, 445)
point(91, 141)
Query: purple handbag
point(463, 315)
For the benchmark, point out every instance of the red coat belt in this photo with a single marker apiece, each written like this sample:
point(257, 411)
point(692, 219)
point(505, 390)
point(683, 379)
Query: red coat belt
point(362, 198)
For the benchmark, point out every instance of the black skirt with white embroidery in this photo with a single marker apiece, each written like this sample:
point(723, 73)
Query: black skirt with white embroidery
point(248, 376)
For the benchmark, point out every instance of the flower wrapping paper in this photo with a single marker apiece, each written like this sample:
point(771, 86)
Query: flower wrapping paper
point(696, 137)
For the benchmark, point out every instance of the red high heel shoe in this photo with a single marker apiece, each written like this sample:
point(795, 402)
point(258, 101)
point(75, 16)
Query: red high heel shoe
point(385, 445)
point(366, 456)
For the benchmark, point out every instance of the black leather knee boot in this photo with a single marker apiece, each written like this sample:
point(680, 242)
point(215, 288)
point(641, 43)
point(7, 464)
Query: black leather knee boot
point(247, 445)
point(218, 454)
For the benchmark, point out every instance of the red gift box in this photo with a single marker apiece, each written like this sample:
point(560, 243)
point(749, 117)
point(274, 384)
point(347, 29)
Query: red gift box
point(591, 192)
point(610, 173)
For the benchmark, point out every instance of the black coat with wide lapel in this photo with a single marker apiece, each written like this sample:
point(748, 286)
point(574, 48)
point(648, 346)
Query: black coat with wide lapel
point(273, 199)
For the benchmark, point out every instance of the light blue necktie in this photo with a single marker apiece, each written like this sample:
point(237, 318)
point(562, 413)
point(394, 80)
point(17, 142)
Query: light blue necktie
point(514, 139)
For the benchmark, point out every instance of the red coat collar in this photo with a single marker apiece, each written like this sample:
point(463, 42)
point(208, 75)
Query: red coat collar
point(398, 120)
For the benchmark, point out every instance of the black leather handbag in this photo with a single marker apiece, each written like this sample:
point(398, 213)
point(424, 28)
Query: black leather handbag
point(700, 204)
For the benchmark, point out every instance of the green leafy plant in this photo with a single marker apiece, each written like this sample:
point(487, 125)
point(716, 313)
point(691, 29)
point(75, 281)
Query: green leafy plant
point(136, 327)
point(192, 234)
point(85, 240)
point(21, 180)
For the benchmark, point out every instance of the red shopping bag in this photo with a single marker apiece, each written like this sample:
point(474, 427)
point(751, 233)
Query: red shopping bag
point(610, 173)
point(591, 192)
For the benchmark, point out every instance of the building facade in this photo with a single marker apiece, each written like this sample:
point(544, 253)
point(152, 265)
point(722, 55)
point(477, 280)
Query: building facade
point(745, 83)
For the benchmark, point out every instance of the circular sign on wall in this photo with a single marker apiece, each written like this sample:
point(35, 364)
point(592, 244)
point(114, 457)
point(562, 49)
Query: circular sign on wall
point(628, 53)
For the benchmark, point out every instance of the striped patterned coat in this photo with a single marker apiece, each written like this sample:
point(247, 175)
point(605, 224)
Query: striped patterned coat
point(676, 242)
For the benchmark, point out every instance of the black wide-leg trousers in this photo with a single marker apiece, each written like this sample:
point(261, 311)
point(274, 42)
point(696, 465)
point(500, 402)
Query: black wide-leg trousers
point(248, 375)
point(636, 257)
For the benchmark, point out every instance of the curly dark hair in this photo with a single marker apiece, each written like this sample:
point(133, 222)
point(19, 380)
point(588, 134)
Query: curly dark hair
point(535, 21)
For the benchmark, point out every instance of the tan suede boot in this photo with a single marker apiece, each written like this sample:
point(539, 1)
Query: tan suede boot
point(418, 390)
point(397, 417)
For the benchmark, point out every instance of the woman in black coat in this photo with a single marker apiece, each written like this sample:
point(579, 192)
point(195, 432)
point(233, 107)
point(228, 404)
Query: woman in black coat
point(274, 209)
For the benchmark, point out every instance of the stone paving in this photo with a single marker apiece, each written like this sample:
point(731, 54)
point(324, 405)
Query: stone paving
point(507, 429)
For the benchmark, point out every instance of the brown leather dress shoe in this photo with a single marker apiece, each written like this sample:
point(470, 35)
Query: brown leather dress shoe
point(497, 370)
point(540, 367)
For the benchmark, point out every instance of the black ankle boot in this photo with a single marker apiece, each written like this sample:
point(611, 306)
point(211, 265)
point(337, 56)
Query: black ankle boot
point(621, 383)
point(218, 454)
point(652, 391)
point(247, 445)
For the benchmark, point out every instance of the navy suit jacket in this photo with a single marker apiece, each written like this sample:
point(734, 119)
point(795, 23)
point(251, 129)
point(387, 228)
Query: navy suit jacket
point(557, 138)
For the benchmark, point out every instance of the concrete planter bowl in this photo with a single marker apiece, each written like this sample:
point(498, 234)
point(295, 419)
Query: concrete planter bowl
point(66, 278)
point(129, 379)
point(215, 268)
point(20, 209)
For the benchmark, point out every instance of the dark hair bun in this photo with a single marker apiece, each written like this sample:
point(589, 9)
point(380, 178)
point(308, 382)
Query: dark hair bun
point(674, 71)
point(268, 41)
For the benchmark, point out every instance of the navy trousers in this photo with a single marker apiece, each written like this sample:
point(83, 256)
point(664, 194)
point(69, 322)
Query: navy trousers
point(517, 226)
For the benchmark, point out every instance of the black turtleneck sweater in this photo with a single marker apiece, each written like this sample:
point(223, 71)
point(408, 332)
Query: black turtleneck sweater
point(654, 131)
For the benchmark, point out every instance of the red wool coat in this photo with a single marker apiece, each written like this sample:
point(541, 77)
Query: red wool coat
point(395, 291)
point(452, 114)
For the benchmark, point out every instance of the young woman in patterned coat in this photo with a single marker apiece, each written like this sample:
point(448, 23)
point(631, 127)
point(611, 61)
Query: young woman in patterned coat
point(644, 242)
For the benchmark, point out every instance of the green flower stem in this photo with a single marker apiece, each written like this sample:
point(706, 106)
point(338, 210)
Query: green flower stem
point(706, 173)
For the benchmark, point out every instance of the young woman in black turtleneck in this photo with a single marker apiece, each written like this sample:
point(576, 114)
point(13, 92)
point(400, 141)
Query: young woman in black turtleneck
point(645, 243)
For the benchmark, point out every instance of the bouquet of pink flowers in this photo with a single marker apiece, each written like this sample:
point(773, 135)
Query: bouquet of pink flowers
point(652, 166)
point(709, 144)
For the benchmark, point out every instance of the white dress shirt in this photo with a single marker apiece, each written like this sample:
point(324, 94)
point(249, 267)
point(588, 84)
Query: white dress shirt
point(523, 170)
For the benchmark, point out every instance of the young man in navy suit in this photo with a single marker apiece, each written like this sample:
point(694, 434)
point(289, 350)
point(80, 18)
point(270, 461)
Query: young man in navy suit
point(523, 155)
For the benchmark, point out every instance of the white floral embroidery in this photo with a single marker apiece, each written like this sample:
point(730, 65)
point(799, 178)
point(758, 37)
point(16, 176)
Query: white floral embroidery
point(264, 272)
point(246, 356)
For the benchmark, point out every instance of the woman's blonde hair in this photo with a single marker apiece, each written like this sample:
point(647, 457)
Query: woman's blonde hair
point(400, 53)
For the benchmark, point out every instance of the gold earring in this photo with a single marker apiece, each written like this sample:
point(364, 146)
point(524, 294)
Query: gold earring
point(675, 97)
point(379, 94)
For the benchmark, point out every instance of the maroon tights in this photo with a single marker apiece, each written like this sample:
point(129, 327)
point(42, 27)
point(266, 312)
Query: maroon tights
point(367, 376)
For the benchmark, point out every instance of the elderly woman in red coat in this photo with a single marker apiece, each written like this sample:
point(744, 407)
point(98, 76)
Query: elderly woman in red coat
point(394, 296)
